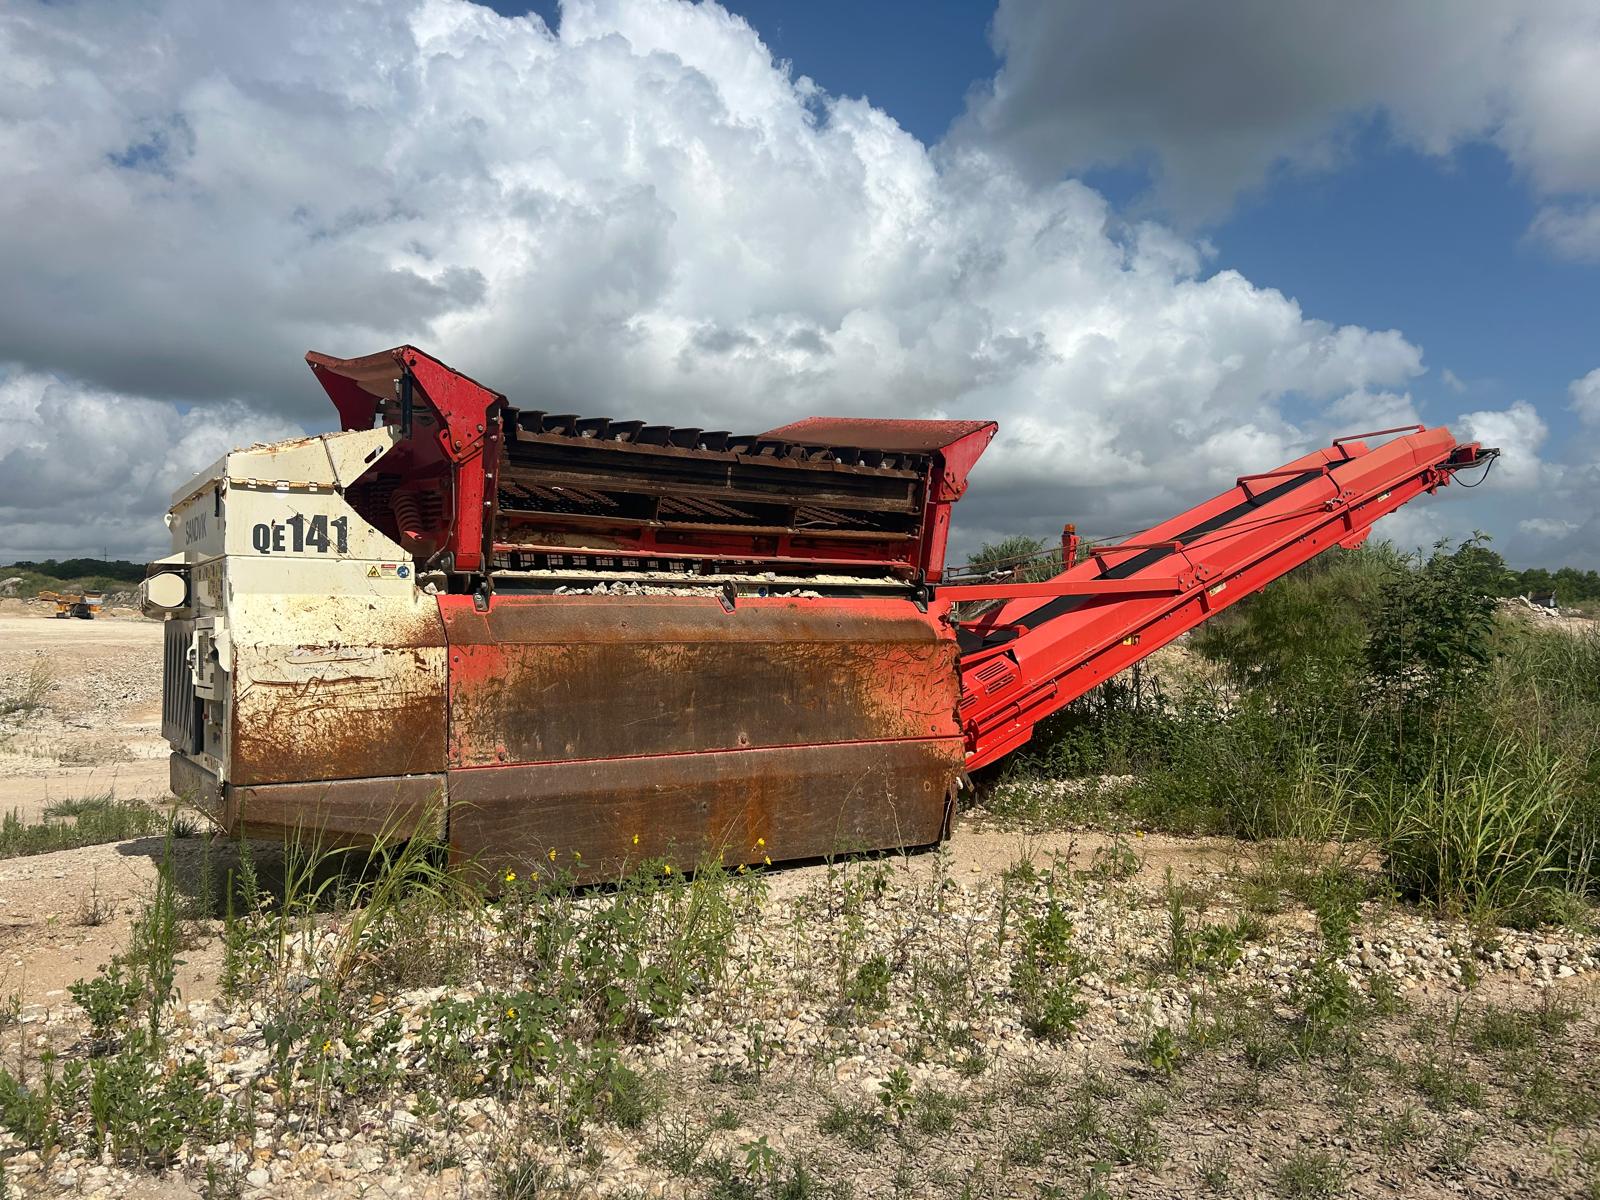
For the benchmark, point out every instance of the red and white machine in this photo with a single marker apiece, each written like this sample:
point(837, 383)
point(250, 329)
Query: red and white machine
point(620, 641)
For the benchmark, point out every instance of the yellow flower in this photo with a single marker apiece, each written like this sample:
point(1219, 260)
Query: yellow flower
point(636, 839)
point(327, 1045)
point(1138, 833)
point(511, 876)
point(767, 859)
point(578, 854)
point(742, 869)
point(552, 854)
point(667, 869)
point(511, 1014)
point(761, 841)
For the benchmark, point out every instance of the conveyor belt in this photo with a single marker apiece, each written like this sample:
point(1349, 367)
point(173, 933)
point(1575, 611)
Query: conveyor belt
point(1026, 659)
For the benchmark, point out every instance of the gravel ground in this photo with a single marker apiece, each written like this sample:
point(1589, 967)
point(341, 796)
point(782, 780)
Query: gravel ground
point(771, 1050)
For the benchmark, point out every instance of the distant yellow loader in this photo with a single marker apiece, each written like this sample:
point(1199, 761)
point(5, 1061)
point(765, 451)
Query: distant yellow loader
point(83, 605)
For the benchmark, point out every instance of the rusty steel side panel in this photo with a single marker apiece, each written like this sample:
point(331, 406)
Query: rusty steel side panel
point(563, 678)
point(332, 811)
point(734, 806)
point(196, 786)
point(336, 687)
point(339, 811)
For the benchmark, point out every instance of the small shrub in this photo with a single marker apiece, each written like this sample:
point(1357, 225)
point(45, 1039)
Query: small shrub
point(869, 987)
point(1160, 1050)
point(107, 1000)
point(1309, 1175)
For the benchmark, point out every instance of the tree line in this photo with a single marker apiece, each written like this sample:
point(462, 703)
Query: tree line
point(80, 568)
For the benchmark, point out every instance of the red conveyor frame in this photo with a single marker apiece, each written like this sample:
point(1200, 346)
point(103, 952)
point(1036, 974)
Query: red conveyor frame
point(1048, 643)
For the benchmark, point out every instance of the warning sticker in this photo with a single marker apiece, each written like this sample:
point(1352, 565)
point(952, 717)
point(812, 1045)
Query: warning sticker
point(372, 572)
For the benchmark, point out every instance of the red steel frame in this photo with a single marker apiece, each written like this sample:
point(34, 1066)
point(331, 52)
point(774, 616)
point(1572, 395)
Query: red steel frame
point(1048, 660)
point(466, 433)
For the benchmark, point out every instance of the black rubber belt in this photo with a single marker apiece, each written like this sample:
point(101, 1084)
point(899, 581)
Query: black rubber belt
point(970, 643)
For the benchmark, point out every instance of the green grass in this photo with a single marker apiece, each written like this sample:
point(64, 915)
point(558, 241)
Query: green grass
point(1309, 1175)
point(25, 693)
point(90, 821)
point(1367, 696)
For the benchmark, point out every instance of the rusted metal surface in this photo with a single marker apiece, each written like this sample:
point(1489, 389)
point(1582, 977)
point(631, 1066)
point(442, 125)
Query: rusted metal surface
point(195, 785)
point(332, 811)
point(902, 437)
point(330, 689)
point(735, 806)
point(554, 678)
point(340, 811)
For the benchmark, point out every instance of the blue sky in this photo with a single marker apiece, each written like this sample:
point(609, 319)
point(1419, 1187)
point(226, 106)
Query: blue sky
point(1161, 243)
point(1436, 248)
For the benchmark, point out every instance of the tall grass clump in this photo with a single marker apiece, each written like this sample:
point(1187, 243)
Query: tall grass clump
point(1487, 829)
point(25, 693)
point(89, 821)
point(1378, 695)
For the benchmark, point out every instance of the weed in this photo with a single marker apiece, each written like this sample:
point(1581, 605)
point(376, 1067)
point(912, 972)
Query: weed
point(25, 694)
point(93, 908)
point(79, 806)
point(869, 987)
point(894, 1094)
point(1457, 1145)
point(935, 1111)
point(1446, 1085)
point(522, 1178)
point(1113, 862)
point(107, 1000)
point(1216, 1171)
point(676, 1145)
point(1160, 1051)
point(1046, 972)
point(860, 1129)
point(1504, 1029)
point(1309, 1175)
point(1398, 1133)
point(1545, 1099)
point(95, 822)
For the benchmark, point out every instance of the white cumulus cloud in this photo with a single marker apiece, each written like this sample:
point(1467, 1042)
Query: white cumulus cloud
point(1222, 95)
point(1585, 394)
point(643, 215)
point(85, 470)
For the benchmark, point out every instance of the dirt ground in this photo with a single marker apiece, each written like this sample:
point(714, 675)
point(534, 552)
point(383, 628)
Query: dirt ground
point(99, 731)
point(101, 725)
